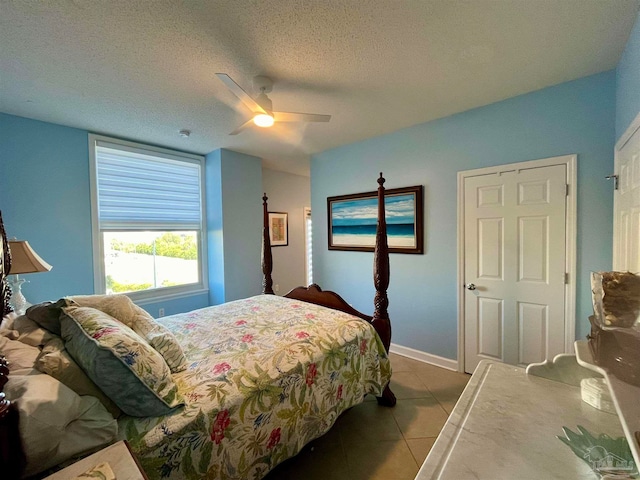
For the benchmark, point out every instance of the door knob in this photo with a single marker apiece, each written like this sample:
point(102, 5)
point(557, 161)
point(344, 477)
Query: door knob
point(470, 286)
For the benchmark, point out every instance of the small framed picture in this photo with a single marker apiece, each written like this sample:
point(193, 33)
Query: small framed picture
point(278, 229)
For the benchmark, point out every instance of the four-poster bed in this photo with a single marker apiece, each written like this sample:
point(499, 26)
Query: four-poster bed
point(274, 374)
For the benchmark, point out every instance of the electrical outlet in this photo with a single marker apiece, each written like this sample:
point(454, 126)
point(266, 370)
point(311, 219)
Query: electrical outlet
point(276, 288)
point(160, 312)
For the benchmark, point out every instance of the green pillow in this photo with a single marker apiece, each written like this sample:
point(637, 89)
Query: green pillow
point(122, 364)
point(47, 314)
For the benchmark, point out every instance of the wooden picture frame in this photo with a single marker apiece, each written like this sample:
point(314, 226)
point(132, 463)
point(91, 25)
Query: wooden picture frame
point(352, 220)
point(278, 229)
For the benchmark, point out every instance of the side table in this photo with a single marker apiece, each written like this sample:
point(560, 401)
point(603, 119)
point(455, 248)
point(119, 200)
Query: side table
point(119, 457)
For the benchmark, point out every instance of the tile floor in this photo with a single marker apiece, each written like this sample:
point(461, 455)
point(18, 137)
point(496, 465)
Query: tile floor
point(370, 442)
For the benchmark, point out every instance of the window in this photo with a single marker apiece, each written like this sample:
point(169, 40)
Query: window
point(147, 215)
point(308, 245)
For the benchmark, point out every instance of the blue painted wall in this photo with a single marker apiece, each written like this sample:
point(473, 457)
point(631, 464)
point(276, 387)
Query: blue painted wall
point(234, 220)
point(44, 178)
point(628, 82)
point(45, 199)
point(215, 234)
point(575, 117)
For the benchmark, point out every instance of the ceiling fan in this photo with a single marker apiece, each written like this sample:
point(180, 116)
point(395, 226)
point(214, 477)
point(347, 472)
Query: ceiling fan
point(261, 106)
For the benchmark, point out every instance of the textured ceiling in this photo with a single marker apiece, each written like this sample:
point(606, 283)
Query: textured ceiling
point(143, 70)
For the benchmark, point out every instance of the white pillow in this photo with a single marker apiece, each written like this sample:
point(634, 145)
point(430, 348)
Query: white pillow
point(28, 332)
point(19, 355)
point(55, 422)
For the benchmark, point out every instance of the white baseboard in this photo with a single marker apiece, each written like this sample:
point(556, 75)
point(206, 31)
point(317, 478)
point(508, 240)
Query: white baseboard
point(424, 357)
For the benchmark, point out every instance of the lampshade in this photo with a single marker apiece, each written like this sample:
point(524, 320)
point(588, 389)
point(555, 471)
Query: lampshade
point(24, 259)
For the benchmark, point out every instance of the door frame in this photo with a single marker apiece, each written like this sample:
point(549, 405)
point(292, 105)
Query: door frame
point(571, 164)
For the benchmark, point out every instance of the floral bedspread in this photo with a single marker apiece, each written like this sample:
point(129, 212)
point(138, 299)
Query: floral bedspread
point(266, 375)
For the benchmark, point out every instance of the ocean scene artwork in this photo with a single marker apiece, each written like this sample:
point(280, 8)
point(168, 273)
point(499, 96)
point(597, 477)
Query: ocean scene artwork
point(353, 222)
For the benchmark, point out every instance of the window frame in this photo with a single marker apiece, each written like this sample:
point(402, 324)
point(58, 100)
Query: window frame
point(99, 271)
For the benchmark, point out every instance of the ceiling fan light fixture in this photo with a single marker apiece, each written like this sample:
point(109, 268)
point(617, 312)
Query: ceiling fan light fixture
point(263, 120)
point(262, 107)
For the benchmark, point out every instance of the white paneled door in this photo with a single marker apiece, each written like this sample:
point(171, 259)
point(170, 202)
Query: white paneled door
point(626, 202)
point(514, 264)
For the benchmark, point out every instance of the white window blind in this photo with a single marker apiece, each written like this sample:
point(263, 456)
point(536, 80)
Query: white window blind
point(137, 190)
point(147, 216)
point(308, 245)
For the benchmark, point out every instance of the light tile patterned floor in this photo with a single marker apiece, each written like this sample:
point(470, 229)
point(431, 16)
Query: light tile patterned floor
point(370, 442)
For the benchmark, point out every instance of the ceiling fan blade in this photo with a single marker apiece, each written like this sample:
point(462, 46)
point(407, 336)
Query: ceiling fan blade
point(242, 127)
point(300, 117)
point(240, 93)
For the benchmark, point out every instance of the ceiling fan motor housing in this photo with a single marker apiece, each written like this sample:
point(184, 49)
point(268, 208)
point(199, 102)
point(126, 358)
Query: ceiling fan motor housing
point(265, 102)
point(262, 84)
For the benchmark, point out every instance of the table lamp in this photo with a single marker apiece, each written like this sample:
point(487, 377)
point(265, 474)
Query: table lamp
point(23, 260)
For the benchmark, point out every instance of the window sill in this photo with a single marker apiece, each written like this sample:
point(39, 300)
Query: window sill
point(140, 298)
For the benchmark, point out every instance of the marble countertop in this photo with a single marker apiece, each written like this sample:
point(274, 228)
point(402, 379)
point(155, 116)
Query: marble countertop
point(505, 424)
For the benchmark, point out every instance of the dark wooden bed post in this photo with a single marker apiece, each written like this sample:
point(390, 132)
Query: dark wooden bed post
point(5, 267)
point(381, 271)
point(12, 459)
point(380, 320)
point(267, 261)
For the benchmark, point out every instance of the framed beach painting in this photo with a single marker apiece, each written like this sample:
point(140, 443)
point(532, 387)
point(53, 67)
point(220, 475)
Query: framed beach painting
point(353, 220)
point(278, 229)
